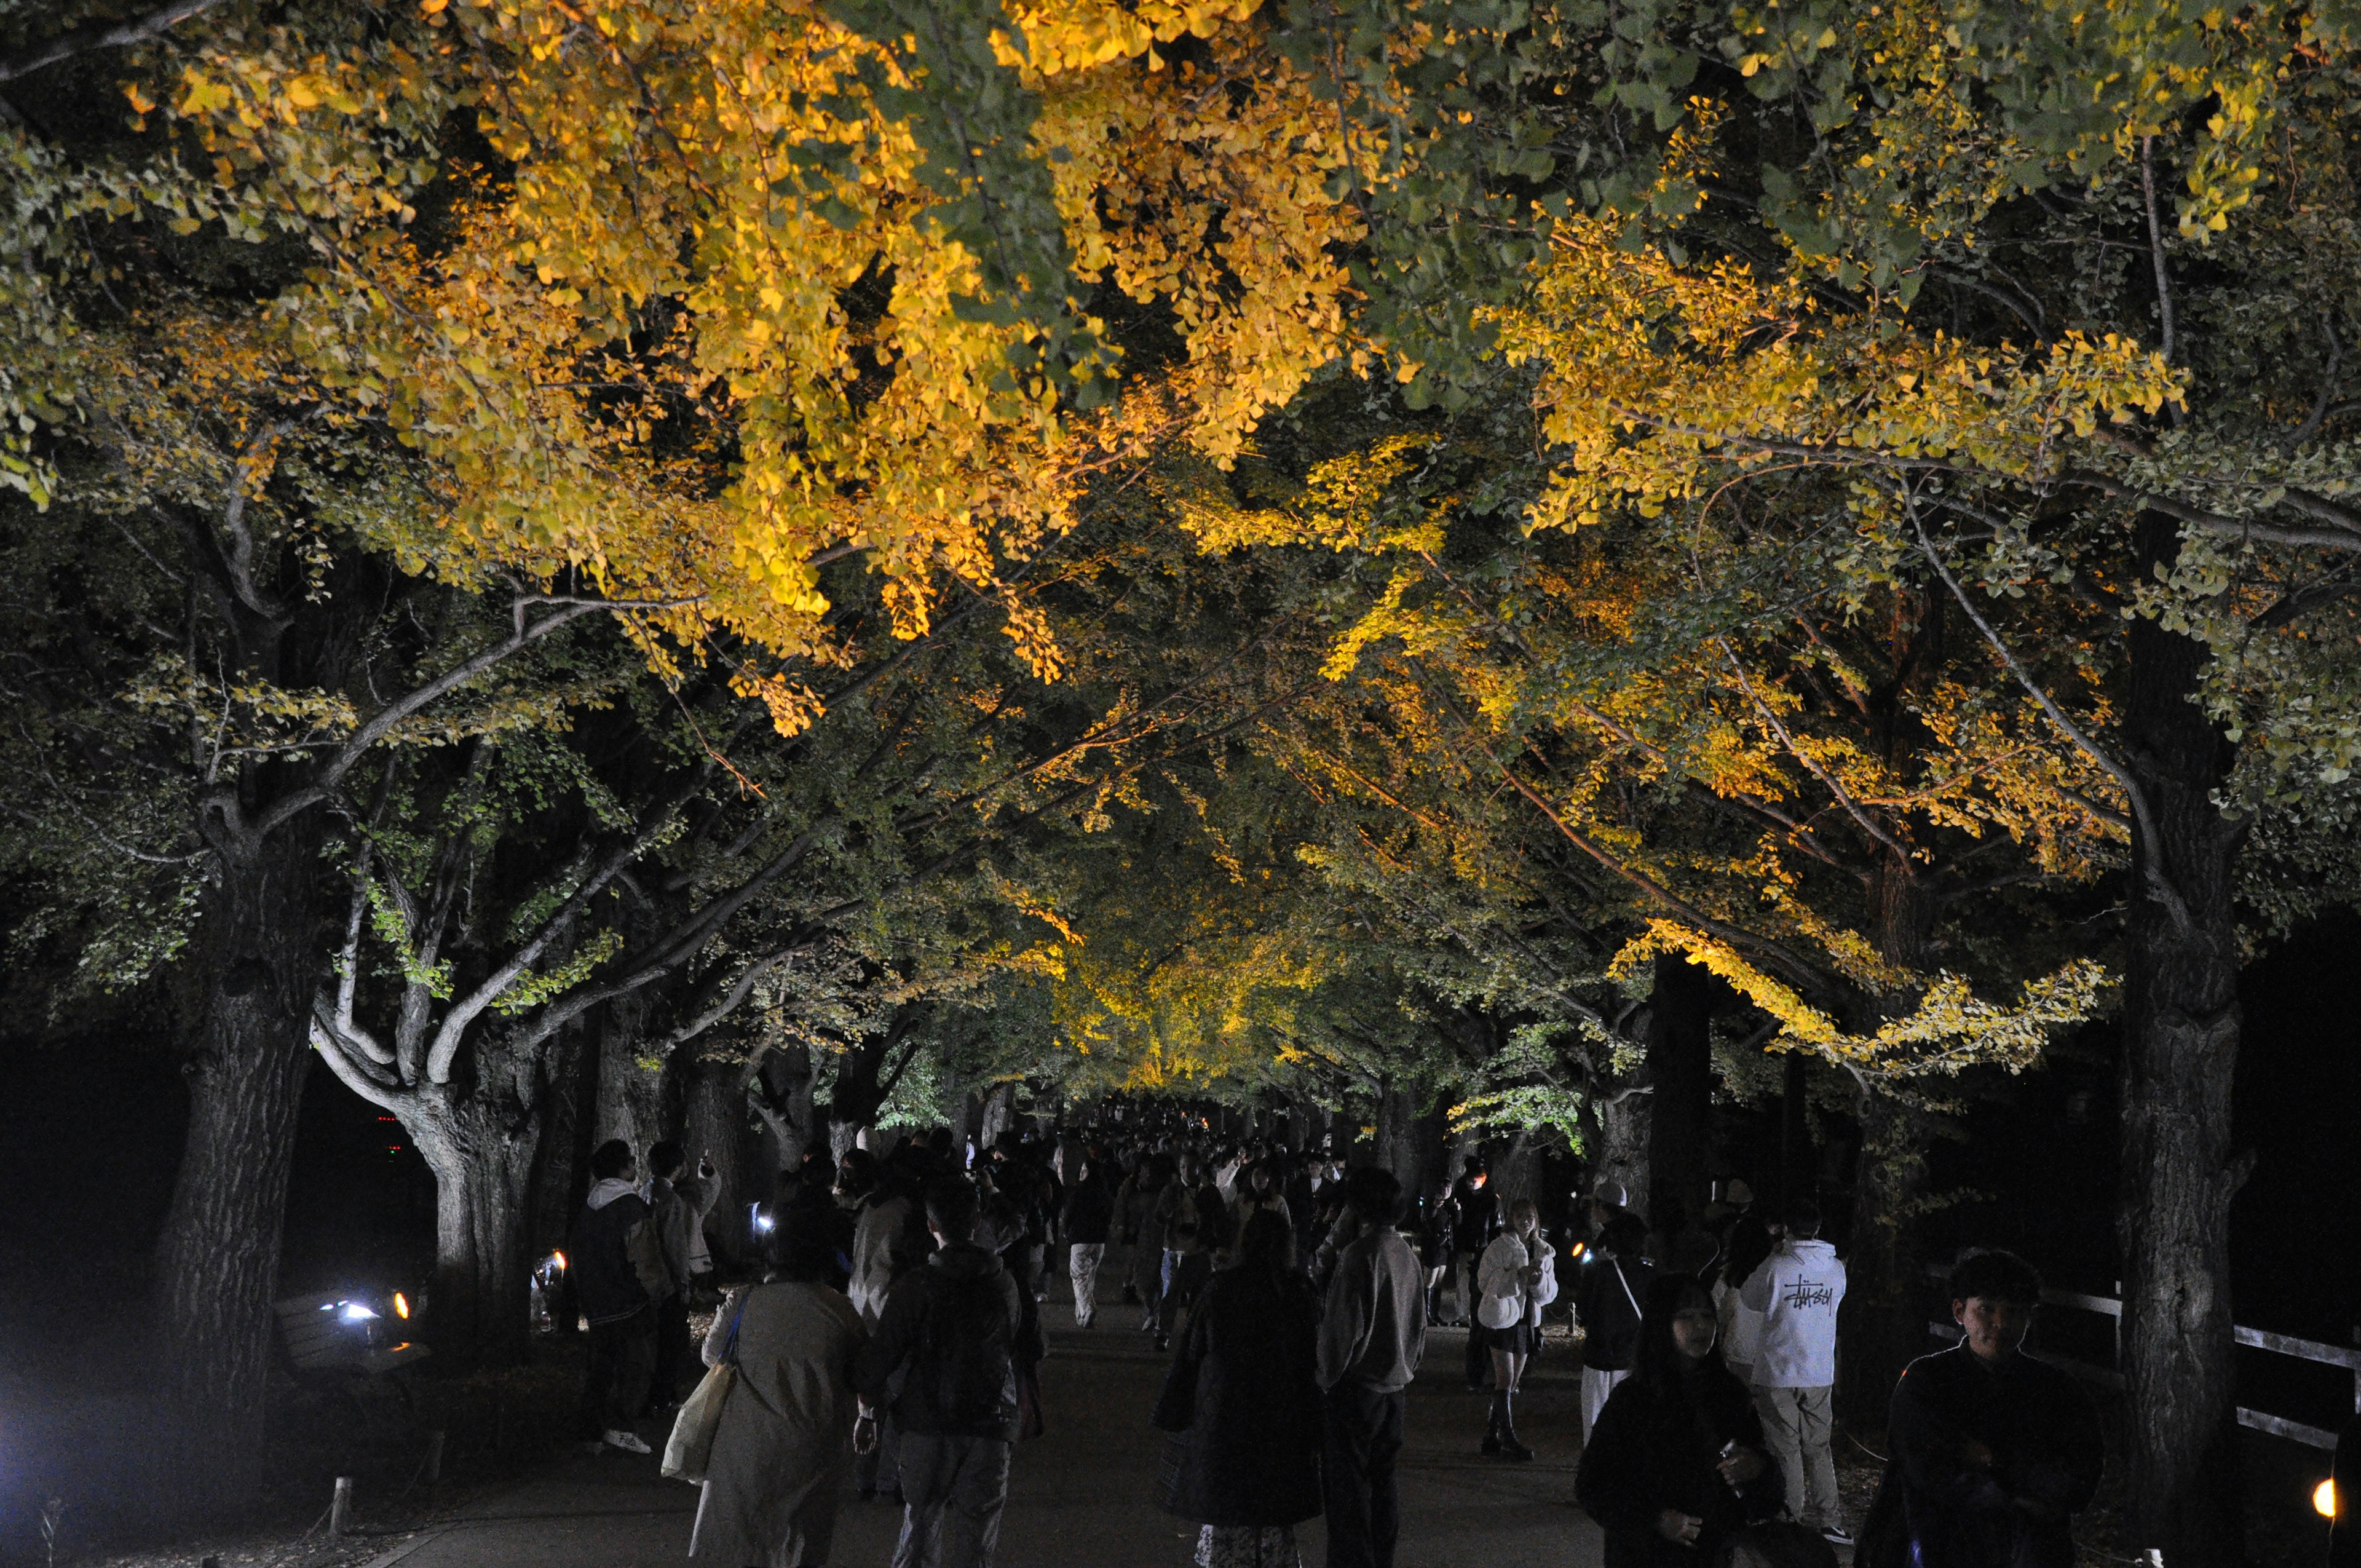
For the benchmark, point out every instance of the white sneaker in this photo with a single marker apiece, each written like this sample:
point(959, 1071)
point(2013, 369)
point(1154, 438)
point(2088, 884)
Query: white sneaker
point(628, 1441)
point(1836, 1535)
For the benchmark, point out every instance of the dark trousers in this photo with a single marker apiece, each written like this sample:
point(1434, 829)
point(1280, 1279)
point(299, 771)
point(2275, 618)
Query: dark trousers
point(1185, 1274)
point(953, 1489)
point(1362, 1441)
point(615, 1378)
point(674, 1356)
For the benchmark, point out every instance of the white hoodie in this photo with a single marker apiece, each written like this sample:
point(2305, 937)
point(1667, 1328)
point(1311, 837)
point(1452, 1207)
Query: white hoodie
point(1797, 1290)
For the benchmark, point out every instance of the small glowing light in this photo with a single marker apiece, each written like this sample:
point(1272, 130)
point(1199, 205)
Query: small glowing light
point(1578, 1251)
point(400, 1305)
point(356, 1313)
point(558, 1260)
point(2323, 1500)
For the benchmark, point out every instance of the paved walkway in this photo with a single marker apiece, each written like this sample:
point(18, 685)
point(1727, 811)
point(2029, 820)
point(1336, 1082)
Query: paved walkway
point(1082, 1495)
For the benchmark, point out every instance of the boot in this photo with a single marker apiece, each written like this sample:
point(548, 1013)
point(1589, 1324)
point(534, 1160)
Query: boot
point(1491, 1443)
point(1509, 1446)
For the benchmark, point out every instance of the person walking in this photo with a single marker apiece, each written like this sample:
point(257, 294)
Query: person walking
point(1089, 1213)
point(1674, 1468)
point(1797, 1290)
point(1475, 1220)
point(1614, 1282)
point(1516, 1277)
point(945, 1355)
point(889, 1239)
point(1196, 1223)
point(618, 1275)
point(1994, 1452)
point(784, 1444)
point(1244, 1397)
point(1138, 1209)
point(1372, 1334)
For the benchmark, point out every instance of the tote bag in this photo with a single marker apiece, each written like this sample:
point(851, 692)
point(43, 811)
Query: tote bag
point(690, 1448)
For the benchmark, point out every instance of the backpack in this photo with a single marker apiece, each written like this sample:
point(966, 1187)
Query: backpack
point(964, 1359)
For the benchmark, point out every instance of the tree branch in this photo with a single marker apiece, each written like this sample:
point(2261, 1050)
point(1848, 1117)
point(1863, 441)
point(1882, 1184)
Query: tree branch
point(117, 35)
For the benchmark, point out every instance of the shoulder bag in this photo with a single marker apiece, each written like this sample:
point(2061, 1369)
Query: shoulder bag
point(690, 1448)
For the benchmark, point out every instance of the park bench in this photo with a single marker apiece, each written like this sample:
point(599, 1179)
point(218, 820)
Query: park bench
point(329, 1332)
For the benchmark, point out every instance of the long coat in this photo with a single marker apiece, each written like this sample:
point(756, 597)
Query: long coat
point(1244, 1396)
point(1656, 1448)
point(783, 1451)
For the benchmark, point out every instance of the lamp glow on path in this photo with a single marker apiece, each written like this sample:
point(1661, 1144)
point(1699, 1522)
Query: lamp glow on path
point(2323, 1500)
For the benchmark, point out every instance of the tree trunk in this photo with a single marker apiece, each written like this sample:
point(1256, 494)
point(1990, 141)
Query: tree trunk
point(630, 1092)
point(561, 1175)
point(217, 1260)
point(480, 1142)
point(720, 1127)
point(1884, 1314)
point(2181, 1024)
point(1680, 1073)
point(1619, 1146)
point(1884, 1311)
point(781, 1087)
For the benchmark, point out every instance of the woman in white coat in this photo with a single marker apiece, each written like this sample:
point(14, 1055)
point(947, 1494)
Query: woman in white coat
point(1515, 1279)
point(783, 1454)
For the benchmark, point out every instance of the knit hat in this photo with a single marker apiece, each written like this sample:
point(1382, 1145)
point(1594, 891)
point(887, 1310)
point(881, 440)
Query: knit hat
point(1611, 1193)
point(1738, 1192)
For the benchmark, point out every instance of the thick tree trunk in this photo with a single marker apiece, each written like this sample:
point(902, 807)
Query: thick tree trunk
point(480, 1142)
point(561, 1174)
point(217, 1260)
point(1680, 1073)
point(2181, 1026)
point(1884, 1311)
point(1886, 1307)
point(719, 1126)
point(782, 1091)
point(1618, 1145)
point(631, 1090)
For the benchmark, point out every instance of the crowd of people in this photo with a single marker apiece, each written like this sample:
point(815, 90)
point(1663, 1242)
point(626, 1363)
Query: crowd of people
point(891, 1349)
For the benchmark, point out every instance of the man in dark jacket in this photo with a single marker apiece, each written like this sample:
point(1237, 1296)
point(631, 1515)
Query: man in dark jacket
point(1089, 1214)
point(1372, 1335)
point(1994, 1452)
point(1475, 1221)
point(1615, 1281)
point(946, 1354)
point(613, 1224)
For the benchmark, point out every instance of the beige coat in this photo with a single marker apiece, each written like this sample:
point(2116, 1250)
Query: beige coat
point(784, 1449)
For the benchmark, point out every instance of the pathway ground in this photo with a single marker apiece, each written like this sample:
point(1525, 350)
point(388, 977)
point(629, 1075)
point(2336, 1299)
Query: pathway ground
point(1083, 1497)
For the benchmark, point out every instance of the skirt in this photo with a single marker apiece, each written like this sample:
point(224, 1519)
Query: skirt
point(1246, 1546)
point(1518, 1339)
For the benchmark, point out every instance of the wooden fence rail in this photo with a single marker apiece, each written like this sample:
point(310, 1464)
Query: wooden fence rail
point(2345, 1356)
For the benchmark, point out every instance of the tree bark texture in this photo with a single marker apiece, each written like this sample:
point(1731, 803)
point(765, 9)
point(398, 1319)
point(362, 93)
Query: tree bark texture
point(1619, 1146)
point(631, 1094)
point(782, 1089)
point(719, 1125)
point(1885, 1306)
point(481, 1141)
point(217, 1261)
point(1680, 1073)
point(2181, 1024)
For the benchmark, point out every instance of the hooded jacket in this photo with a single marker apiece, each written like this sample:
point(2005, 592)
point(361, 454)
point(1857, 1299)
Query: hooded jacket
point(1797, 1289)
point(599, 1249)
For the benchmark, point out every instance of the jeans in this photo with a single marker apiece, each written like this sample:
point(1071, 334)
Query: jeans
point(1085, 1266)
point(1185, 1274)
point(953, 1489)
point(615, 1377)
point(1362, 1440)
point(1796, 1426)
